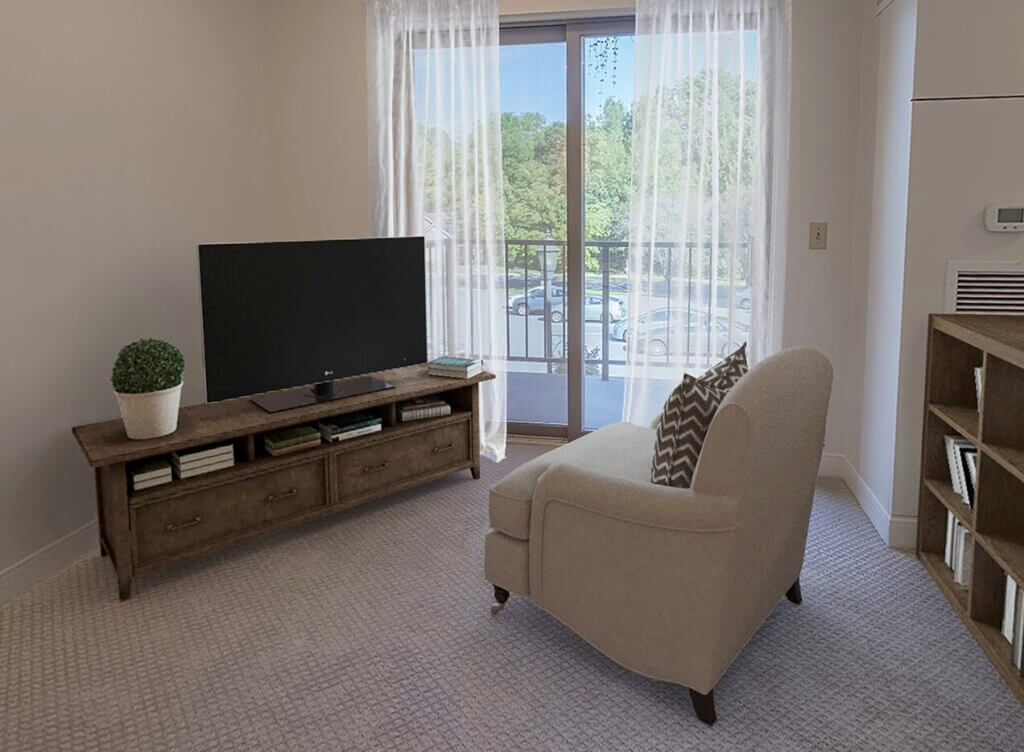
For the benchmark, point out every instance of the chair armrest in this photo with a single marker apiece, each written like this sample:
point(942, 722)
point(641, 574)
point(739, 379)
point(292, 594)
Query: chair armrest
point(635, 502)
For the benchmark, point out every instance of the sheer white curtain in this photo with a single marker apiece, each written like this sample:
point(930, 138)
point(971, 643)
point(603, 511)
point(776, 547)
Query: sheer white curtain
point(708, 209)
point(435, 165)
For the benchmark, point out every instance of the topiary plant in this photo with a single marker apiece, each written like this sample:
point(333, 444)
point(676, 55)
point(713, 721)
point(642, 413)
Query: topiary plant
point(147, 365)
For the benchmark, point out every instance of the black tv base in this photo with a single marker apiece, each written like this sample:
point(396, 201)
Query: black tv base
point(325, 391)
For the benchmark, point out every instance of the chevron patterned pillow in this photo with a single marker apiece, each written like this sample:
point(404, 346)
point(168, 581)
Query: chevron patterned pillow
point(686, 418)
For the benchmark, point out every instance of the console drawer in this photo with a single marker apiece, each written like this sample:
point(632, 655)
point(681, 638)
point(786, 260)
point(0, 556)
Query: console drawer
point(170, 526)
point(391, 462)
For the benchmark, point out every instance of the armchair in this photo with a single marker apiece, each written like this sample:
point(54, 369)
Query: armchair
point(671, 583)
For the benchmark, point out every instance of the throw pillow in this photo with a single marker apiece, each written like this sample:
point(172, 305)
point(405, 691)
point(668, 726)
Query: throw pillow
point(686, 418)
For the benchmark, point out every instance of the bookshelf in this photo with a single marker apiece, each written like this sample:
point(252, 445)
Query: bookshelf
point(957, 344)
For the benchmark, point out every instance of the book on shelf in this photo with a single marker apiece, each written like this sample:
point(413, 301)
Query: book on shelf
point(956, 446)
point(452, 367)
point(150, 473)
point(966, 453)
point(192, 464)
point(291, 436)
point(201, 454)
point(979, 378)
point(972, 473)
point(422, 408)
point(1010, 597)
point(349, 426)
point(191, 472)
point(279, 451)
point(1017, 644)
point(962, 572)
point(950, 534)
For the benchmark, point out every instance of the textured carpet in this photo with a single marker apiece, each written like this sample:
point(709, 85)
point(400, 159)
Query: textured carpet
point(372, 631)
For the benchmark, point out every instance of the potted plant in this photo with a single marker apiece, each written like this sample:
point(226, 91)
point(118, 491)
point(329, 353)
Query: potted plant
point(147, 382)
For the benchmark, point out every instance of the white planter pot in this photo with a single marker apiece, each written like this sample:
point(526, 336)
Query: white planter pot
point(150, 414)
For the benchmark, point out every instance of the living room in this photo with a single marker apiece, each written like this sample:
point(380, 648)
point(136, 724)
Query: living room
point(856, 177)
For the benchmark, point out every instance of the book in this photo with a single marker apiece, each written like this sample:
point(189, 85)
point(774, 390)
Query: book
point(352, 433)
point(203, 469)
point(291, 436)
point(151, 469)
point(962, 572)
point(979, 378)
point(188, 465)
point(950, 532)
point(449, 361)
point(452, 367)
point(953, 460)
point(965, 476)
point(201, 454)
point(1009, 608)
point(972, 472)
point(141, 485)
point(422, 408)
point(1017, 644)
point(279, 451)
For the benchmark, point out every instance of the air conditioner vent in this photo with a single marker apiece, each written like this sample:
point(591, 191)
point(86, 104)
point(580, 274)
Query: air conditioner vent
point(985, 288)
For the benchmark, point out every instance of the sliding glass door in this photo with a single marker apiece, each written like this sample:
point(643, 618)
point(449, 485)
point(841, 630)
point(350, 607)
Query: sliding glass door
point(566, 94)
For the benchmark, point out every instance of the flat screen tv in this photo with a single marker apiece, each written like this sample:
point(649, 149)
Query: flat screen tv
point(309, 314)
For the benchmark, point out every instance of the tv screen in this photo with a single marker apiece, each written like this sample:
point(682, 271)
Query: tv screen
point(279, 315)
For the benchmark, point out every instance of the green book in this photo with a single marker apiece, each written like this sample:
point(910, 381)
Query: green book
point(287, 437)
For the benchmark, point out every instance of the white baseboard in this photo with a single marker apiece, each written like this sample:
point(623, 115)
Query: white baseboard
point(48, 560)
point(897, 532)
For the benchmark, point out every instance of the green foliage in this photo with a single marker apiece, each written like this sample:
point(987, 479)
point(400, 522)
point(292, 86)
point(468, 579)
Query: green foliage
point(147, 365)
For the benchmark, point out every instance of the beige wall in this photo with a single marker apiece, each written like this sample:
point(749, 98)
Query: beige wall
point(146, 127)
point(130, 131)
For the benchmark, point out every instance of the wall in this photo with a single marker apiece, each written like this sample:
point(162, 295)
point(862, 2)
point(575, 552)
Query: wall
point(132, 131)
point(158, 126)
point(878, 270)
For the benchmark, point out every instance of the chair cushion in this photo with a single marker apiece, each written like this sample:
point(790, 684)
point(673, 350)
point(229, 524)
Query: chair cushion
point(621, 449)
point(686, 418)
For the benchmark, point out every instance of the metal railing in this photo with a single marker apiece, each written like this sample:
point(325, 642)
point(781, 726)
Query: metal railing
point(532, 264)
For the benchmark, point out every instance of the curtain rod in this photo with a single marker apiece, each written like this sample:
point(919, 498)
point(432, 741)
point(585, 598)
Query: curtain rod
point(552, 18)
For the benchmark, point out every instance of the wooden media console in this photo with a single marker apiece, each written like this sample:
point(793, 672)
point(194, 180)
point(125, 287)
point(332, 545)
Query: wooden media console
point(152, 528)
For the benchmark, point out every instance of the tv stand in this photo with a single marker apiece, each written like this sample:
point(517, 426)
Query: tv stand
point(155, 527)
point(324, 391)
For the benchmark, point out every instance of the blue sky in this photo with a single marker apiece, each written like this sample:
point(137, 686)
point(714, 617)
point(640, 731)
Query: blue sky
point(533, 76)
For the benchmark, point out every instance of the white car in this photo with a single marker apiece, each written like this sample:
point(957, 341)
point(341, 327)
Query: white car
point(593, 309)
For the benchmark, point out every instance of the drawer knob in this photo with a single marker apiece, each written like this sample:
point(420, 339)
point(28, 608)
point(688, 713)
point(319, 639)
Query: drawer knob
point(446, 448)
point(376, 468)
point(181, 525)
point(285, 495)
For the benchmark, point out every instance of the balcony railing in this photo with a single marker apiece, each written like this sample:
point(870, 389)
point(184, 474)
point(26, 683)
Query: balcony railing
point(538, 265)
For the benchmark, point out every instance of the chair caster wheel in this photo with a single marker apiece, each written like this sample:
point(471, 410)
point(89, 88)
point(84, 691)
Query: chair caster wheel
point(496, 608)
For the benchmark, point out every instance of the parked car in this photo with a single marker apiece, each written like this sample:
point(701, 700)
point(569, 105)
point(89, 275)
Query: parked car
point(694, 337)
point(593, 309)
point(533, 300)
point(743, 299)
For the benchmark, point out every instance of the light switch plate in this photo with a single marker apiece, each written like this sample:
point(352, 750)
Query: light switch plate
point(818, 240)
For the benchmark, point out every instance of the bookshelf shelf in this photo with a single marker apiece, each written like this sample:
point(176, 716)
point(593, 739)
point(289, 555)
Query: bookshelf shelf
point(943, 491)
point(963, 420)
point(958, 344)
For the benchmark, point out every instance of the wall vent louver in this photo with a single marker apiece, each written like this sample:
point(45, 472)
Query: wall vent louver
point(985, 287)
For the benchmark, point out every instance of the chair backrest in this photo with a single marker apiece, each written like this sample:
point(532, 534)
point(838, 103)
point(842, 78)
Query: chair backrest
point(785, 398)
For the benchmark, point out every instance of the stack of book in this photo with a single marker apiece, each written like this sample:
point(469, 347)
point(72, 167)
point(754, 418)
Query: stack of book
point(962, 456)
point(151, 473)
point(199, 461)
point(958, 550)
point(455, 368)
point(979, 379)
point(1013, 621)
point(423, 407)
point(349, 426)
point(291, 439)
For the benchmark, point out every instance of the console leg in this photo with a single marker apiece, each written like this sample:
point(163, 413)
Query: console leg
point(704, 706)
point(794, 592)
point(103, 548)
point(124, 589)
point(500, 596)
point(475, 470)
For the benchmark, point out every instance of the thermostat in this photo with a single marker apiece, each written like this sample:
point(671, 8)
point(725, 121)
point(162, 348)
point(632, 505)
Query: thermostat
point(1005, 218)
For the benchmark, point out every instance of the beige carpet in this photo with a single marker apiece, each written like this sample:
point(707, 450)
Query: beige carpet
point(372, 631)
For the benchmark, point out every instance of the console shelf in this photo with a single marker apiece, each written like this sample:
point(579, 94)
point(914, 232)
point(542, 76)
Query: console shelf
point(959, 343)
point(154, 527)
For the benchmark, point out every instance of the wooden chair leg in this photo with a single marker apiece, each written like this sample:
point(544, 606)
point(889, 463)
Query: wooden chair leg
point(704, 706)
point(794, 592)
point(500, 596)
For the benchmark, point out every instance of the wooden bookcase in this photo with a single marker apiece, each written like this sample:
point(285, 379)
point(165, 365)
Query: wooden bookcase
point(957, 344)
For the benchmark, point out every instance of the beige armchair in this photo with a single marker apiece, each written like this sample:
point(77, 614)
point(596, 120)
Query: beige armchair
point(671, 583)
